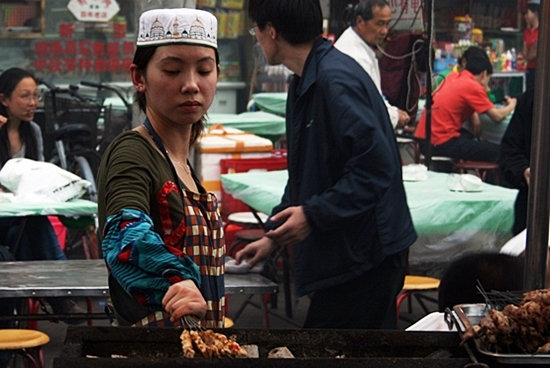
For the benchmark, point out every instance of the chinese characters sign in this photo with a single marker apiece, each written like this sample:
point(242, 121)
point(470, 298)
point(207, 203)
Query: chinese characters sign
point(93, 10)
point(406, 15)
point(83, 56)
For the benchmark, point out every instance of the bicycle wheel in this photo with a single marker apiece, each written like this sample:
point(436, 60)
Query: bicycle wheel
point(83, 243)
point(81, 167)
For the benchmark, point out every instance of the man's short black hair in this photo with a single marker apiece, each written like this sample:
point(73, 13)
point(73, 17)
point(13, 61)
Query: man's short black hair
point(365, 9)
point(297, 21)
point(471, 52)
point(535, 8)
point(476, 64)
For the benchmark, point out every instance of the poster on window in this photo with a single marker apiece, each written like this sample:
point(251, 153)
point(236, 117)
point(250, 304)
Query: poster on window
point(406, 15)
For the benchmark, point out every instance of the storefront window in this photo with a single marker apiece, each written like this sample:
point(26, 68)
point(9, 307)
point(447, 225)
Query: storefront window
point(52, 43)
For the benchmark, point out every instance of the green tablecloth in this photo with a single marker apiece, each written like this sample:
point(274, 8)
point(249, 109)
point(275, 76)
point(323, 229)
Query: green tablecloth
point(448, 223)
point(260, 123)
point(75, 208)
point(274, 102)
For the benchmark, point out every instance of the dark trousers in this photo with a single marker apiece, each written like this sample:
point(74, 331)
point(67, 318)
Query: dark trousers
point(366, 302)
point(530, 79)
point(466, 147)
point(38, 242)
point(520, 211)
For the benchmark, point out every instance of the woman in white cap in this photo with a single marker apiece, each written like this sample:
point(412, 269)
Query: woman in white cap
point(163, 239)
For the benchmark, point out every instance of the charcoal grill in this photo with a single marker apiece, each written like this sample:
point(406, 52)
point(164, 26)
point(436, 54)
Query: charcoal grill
point(312, 348)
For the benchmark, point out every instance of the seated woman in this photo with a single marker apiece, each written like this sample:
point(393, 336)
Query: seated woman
point(21, 137)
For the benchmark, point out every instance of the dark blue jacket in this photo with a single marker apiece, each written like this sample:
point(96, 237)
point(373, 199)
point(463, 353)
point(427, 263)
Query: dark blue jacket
point(345, 170)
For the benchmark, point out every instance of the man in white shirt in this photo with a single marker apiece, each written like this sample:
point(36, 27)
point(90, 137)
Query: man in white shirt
point(369, 27)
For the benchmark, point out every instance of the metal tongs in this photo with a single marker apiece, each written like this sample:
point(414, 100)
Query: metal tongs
point(451, 321)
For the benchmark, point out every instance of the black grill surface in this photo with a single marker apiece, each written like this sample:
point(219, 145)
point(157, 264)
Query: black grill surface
point(161, 347)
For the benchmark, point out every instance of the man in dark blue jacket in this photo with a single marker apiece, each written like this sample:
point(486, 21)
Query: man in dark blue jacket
point(344, 210)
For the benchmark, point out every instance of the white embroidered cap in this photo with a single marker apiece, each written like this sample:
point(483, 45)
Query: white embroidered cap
point(177, 26)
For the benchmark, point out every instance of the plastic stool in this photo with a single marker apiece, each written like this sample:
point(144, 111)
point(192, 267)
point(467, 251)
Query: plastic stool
point(403, 142)
point(439, 163)
point(228, 322)
point(246, 218)
point(19, 340)
point(239, 221)
point(480, 168)
point(414, 284)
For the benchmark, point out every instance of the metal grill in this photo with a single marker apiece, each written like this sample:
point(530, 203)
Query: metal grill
point(161, 347)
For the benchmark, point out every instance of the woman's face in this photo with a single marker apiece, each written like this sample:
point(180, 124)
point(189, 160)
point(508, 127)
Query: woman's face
point(23, 101)
point(179, 82)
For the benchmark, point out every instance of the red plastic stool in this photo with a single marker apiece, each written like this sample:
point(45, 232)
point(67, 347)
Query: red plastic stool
point(480, 168)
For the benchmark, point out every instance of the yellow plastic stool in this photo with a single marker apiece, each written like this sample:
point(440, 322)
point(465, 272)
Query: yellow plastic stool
point(228, 322)
point(414, 284)
point(19, 340)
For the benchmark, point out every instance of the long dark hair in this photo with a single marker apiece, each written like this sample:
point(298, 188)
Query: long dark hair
point(8, 83)
point(141, 58)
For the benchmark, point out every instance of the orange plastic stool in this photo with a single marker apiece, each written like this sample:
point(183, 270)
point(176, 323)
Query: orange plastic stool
point(23, 342)
point(414, 284)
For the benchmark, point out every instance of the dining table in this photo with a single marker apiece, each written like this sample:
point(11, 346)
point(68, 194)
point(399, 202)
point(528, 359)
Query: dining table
point(260, 123)
point(76, 214)
point(272, 102)
point(74, 208)
point(89, 278)
point(449, 223)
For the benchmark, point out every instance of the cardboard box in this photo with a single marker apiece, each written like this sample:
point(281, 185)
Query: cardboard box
point(223, 143)
point(232, 4)
point(222, 23)
point(233, 24)
point(206, 4)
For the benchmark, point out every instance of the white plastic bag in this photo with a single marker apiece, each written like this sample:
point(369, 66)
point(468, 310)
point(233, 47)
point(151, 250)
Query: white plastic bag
point(41, 181)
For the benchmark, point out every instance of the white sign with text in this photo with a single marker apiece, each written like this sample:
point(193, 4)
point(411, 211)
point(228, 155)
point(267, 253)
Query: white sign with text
point(93, 10)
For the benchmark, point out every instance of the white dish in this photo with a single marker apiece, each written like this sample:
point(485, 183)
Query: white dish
point(432, 322)
point(464, 183)
point(415, 172)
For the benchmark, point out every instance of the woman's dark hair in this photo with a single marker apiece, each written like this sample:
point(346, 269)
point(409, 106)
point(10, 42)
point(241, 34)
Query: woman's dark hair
point(365, 10)
point(9, 80)
point(141, 59)
point(297, 21)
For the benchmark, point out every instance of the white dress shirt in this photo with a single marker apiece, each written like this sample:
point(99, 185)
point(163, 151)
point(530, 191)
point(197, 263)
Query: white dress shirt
point(352, 44)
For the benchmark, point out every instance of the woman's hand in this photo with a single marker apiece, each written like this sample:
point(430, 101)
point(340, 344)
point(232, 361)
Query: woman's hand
point(184, 298)
point(527, 174)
